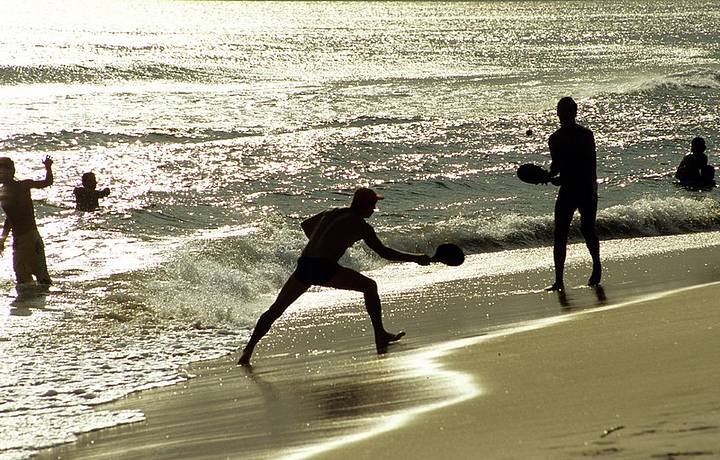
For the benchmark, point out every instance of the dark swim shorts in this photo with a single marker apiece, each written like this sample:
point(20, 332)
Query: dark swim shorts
point(314, 270)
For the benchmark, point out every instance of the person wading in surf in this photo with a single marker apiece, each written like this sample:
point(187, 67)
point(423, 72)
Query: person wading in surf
point(330, 234)
point(28, 247)
point(87, 197)
point(574, 168)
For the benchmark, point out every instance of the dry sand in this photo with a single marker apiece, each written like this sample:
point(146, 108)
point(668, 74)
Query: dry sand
point(641, 381)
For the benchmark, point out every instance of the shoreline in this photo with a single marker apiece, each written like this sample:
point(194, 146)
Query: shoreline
point(340, 392)
point(675, 414)
point(433, 359)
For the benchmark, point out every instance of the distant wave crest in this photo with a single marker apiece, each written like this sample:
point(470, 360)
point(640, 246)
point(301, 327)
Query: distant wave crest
point(70, 139)
point(696, 79)
point(74, 73)
point(645, 217)
point(365, 120)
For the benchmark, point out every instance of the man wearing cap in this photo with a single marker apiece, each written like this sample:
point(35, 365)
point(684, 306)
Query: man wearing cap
point(330, 234)
point(28, 247)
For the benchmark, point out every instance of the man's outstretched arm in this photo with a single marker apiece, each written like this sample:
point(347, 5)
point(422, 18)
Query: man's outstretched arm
point(385, 252)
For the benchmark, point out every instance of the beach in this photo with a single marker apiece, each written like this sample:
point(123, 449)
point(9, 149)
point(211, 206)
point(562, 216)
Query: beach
point(219, 127)
point(637, 381)
point(625, 373)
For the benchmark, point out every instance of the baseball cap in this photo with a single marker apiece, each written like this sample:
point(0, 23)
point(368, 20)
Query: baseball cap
point(365, 198)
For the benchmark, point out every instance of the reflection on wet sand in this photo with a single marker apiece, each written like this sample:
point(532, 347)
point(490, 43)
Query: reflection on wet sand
point(29, 297)
point(329, 400)
point(567, 305)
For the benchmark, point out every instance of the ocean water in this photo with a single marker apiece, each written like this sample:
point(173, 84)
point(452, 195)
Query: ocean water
point(219, 126)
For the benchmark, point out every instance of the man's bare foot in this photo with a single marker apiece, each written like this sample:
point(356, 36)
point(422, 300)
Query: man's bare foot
point(245, 359)
point(382, 343)
point(557, 286)
point(595, 276)
point(600, 293)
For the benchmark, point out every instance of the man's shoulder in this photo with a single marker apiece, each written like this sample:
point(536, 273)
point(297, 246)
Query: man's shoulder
point(695, 159)
point(566, 132)
point(357, 221)
point(584, 131)
point(343, 216)
point(332, 212)
point(21, 186)
point(576, 127)
point(352, 220)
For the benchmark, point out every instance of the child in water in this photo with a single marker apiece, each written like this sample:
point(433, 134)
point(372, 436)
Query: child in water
point(86, 197)
point(694, 167)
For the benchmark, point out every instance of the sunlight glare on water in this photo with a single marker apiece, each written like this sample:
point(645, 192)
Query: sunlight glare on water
point(220, 126)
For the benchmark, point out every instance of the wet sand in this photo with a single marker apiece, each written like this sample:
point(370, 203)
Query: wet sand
point(462, 384)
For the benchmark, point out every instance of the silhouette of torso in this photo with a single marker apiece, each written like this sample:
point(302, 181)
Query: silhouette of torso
point(86, 199)
point(18, 206)
point(572, 149)
point(690, 168)
point(337, 230)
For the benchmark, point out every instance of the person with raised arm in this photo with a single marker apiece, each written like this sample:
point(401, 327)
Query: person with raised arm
point(16, 201)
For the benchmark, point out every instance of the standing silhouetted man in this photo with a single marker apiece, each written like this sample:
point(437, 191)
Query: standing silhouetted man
point(574, 168)
point(28, 247)
point(330, 233)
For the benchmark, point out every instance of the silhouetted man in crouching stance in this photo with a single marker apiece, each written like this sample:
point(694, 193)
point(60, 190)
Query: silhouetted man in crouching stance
point(331, 233)
point(574, 168)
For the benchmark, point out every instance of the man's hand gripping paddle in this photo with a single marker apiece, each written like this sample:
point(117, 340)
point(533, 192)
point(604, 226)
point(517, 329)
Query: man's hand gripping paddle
point(533, 174)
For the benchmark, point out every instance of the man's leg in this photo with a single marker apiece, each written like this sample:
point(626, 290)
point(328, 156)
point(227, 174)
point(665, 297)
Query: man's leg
point(351, 280)
point(289, 293)
point(564, 211)
point(40, 266)
point(588, 214)
point(22, 272)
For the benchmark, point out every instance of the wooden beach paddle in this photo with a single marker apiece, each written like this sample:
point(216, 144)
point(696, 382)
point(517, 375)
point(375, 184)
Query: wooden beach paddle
point(533, 174)
point(449, 254)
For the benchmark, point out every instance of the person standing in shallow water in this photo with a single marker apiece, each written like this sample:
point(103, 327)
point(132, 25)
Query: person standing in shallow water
point(87, 197)
point(28, 247)
point(330, 234)
point(574, 168)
